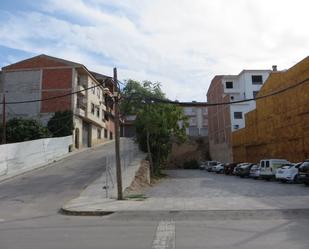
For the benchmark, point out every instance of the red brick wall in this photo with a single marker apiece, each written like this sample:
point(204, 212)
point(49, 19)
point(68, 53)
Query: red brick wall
point(54, 105)
point(218, 116)
point(35, 62)
point(57, 78)
point(56, 82)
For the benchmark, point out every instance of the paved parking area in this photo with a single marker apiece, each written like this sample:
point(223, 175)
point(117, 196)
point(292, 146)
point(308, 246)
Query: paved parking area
point(195, 190)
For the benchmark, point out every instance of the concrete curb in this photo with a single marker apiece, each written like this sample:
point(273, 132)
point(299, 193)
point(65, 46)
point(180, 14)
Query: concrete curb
point(65, 211)
point(301, 212)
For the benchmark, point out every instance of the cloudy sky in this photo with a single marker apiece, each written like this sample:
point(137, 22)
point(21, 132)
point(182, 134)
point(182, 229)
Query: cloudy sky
point(181, 43)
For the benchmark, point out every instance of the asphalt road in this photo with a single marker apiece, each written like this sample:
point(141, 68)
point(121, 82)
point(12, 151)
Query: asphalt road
point(29, 217)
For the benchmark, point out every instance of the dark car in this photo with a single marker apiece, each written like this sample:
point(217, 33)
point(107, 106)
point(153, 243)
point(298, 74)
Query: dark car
point(229, 168)
point(244, 170)
point(303, 174)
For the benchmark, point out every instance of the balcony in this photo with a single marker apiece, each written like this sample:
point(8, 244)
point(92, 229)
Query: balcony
point(80, 112)
point(81, 90)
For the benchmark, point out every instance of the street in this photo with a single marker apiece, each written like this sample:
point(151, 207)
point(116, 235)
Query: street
point(29, 217)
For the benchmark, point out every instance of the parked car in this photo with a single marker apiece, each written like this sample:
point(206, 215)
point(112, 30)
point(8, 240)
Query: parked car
point(288, 172)
point(228, 168)
point(219, 169)
point(236, 168)
point(269, 167)
point(255, 171)
point(244, 170)
point(304, 172)
point(203, 165)
point(210, 164)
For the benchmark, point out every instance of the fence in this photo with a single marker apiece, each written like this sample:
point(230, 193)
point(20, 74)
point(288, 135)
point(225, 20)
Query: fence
point(17, 158)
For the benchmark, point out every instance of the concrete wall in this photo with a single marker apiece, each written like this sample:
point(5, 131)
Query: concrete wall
point(279, 127)
point(17, 158)
point(19, 86)
point(221, 152)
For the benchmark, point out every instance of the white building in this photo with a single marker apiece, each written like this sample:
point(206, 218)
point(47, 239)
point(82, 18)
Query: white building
point(245, 85)
point(198, 121)
point(224, 119)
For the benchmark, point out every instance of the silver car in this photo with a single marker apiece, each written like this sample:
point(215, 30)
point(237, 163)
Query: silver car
point(255, 171)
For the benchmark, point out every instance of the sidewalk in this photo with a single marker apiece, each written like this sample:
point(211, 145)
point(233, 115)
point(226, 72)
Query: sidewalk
point(194, 190)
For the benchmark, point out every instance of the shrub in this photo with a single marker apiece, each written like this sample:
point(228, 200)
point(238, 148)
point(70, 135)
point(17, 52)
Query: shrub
point(61, 124)
point(192, 164)
point(20, 130)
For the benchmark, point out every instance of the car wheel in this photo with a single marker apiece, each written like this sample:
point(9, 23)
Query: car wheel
point(295, 180)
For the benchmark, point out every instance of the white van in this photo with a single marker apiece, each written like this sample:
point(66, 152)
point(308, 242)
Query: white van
point(268, 167)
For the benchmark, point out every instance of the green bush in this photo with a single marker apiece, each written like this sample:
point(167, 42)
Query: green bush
point(20, 130)
point(192, 164)
point(61, 124)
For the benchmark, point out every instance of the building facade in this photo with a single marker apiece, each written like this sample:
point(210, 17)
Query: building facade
point(45, 77)
point(279, 126)
point(224, 119)
point(198, 121)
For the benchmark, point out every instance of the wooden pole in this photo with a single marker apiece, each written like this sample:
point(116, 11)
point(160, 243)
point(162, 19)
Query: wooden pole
point(117, 140)
point(3, 120)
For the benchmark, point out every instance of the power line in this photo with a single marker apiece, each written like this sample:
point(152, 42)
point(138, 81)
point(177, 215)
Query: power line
point(50, 98)
point(153, 99)
point(165, 101)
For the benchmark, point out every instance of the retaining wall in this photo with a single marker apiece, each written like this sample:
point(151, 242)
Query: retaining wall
point(17, 158)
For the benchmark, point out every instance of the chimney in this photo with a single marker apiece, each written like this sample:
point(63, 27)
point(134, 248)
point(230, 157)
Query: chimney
point(275, 68)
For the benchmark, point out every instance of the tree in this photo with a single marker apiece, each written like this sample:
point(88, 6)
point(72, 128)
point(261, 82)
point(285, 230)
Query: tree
point(61, 124)
point(20, 130)
point(157, 124)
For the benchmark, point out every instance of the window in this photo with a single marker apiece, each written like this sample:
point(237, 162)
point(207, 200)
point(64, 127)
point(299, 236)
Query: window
point(110, 135)
point(257, 79)
point(238, 115)
point(98, 111)
point(192, 121)
point(255, 93)
point(99, 93)
point(92, 108)
point(105, 133)
point(103, 115)
point(106, 116)
point(229, 84)
point(99, 133)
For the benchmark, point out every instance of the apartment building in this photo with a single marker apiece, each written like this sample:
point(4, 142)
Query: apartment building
point(43, 77)
point(198, 120)
point(279, 126)
point(224, 119)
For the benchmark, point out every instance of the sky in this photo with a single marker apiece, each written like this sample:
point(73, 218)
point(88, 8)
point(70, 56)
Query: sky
point(182, 44)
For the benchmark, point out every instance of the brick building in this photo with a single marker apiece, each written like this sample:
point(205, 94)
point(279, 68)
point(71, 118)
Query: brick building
point(42, 77)
point(224, 119)
point(279, 127)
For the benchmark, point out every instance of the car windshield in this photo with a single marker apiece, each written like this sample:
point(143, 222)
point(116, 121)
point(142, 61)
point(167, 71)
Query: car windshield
point(287, 166)
point(305, 165)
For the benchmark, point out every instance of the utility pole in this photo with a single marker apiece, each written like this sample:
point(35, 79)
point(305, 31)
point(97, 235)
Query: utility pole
point(3, 120)
point(117, 139)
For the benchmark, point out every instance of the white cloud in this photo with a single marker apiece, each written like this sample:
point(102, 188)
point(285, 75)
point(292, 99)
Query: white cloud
point(180, 43)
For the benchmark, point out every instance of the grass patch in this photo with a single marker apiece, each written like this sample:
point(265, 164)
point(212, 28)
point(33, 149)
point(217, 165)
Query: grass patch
point(136, 197)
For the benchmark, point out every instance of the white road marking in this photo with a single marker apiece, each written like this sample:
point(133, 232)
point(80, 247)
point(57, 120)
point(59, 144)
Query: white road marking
point(165, 236)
